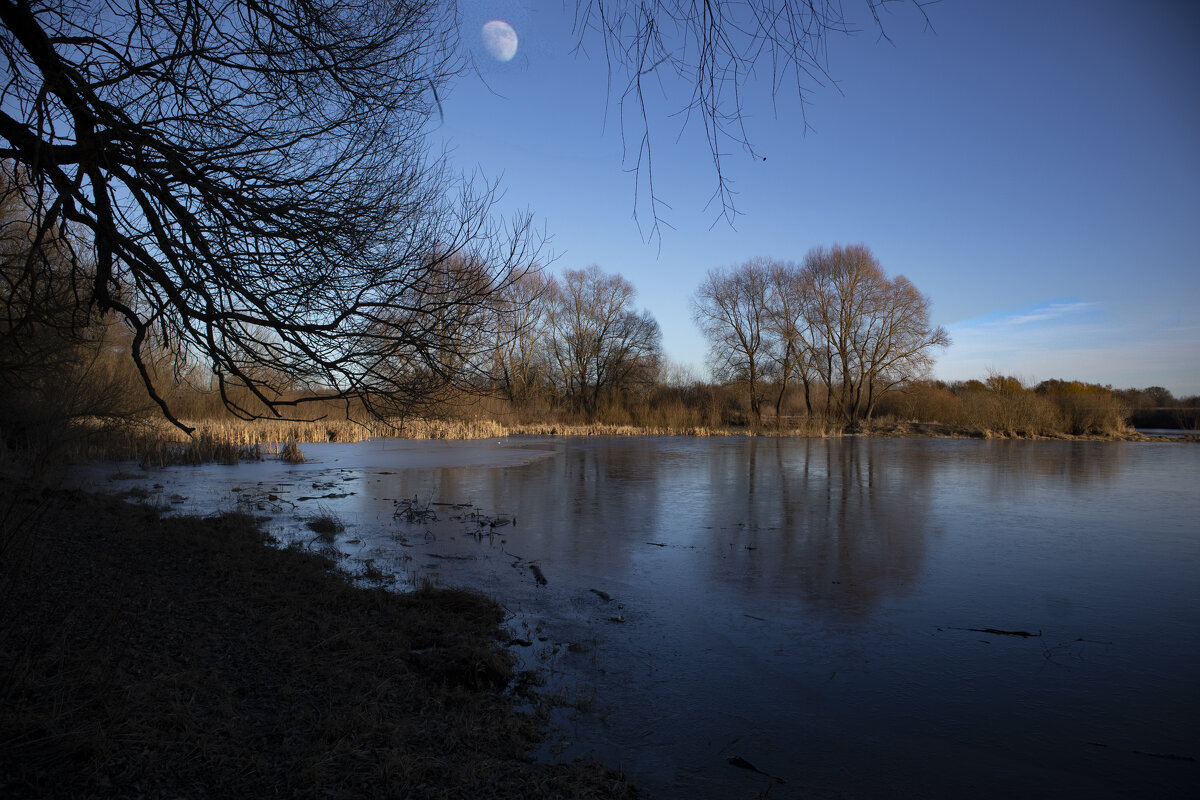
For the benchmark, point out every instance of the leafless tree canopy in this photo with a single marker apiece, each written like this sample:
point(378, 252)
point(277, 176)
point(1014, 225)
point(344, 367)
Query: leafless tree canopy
point(598, 343)
point(246, 183)
point(713, 49)
point(837, 319)
point(521, 368)
point(57, 361)
point(731, 308)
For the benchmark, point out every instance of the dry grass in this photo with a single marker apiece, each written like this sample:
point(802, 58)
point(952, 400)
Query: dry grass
point(325, 523)
point(183, 658)
point(605, 429)
point(156, 443)
point(1017, 413)
point(790, 427)
point(291, 453)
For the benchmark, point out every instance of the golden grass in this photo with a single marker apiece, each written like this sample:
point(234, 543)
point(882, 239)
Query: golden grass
point(793, 427)
point(291, 453)
point(154, 442)
point(605, 429)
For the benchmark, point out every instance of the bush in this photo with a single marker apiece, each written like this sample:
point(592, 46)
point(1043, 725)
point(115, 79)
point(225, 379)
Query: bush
point(1083, 414)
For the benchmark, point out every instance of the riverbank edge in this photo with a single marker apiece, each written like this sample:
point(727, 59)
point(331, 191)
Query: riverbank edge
point(894, 430)
point(159, 656)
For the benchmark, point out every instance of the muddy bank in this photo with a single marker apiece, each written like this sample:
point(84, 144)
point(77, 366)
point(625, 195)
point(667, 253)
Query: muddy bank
point(150, 656)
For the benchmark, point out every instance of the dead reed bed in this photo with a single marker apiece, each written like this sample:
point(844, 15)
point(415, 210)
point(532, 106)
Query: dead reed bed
point(156, 443)
point(789, 427)
point(168, 657)
point(606, 429)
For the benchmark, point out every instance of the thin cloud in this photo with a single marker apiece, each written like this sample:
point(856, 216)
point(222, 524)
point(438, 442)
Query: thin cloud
point(1074, 340)
point(1043, 312)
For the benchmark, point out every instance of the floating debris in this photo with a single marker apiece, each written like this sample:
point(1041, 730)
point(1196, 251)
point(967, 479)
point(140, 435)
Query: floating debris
point(538, 575)
point(741, 763)
point(411, 511)
point(330, 496)
point(1000, 632)
point(605, 596)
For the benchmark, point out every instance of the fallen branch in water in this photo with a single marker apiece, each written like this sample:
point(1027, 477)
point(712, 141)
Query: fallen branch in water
point(742, 763)
point(999, 632)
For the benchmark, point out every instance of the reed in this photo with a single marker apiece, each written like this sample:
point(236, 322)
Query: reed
point(1002, 407)
point(291, 453)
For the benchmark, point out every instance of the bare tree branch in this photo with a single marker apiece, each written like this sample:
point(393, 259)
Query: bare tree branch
point(251, 187)
point(713, 49)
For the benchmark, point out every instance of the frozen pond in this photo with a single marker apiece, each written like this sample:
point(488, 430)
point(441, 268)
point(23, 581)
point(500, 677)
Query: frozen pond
point(856, 617)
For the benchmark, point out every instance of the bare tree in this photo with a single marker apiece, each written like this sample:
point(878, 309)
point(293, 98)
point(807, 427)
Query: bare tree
point(520, 345)
point(902, 349)
point(874, 332)
point(797, 349)
point(57, 364)
point(731, 310)
point(247, 185)
point(838, 320)
point(598, 343)
point(41, 318)
point(710, 50)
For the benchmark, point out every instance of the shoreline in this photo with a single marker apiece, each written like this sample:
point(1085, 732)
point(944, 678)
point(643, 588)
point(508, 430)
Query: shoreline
point(185, 656)
point(223, 442)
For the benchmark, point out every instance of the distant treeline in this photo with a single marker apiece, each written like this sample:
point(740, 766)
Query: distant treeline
point(1003, 404)
point(819, 348)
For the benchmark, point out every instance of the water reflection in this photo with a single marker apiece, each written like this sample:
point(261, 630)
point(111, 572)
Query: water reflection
point(808, 604)
point(832, 523)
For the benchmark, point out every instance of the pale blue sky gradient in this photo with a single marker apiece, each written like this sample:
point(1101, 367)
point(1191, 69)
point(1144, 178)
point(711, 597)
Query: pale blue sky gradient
point(1033, 167)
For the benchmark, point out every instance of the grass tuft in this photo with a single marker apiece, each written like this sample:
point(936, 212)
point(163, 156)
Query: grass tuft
point(325, 523)
point(291, 453)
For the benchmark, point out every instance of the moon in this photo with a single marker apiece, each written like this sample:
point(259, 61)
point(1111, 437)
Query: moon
point(500, 39)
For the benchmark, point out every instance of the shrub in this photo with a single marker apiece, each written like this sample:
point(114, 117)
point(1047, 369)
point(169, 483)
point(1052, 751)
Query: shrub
point(1092, 413)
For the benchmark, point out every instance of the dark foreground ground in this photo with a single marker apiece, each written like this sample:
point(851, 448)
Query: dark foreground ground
point(149, 657)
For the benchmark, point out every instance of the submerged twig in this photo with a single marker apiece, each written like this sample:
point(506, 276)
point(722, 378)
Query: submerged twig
point(999, 632)
point(738, 761)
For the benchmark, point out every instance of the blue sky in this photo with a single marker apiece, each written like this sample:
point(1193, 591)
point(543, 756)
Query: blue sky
point(1033, 167)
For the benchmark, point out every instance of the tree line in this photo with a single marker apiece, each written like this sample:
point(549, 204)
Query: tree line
point(819, 345)
point(836, 327)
